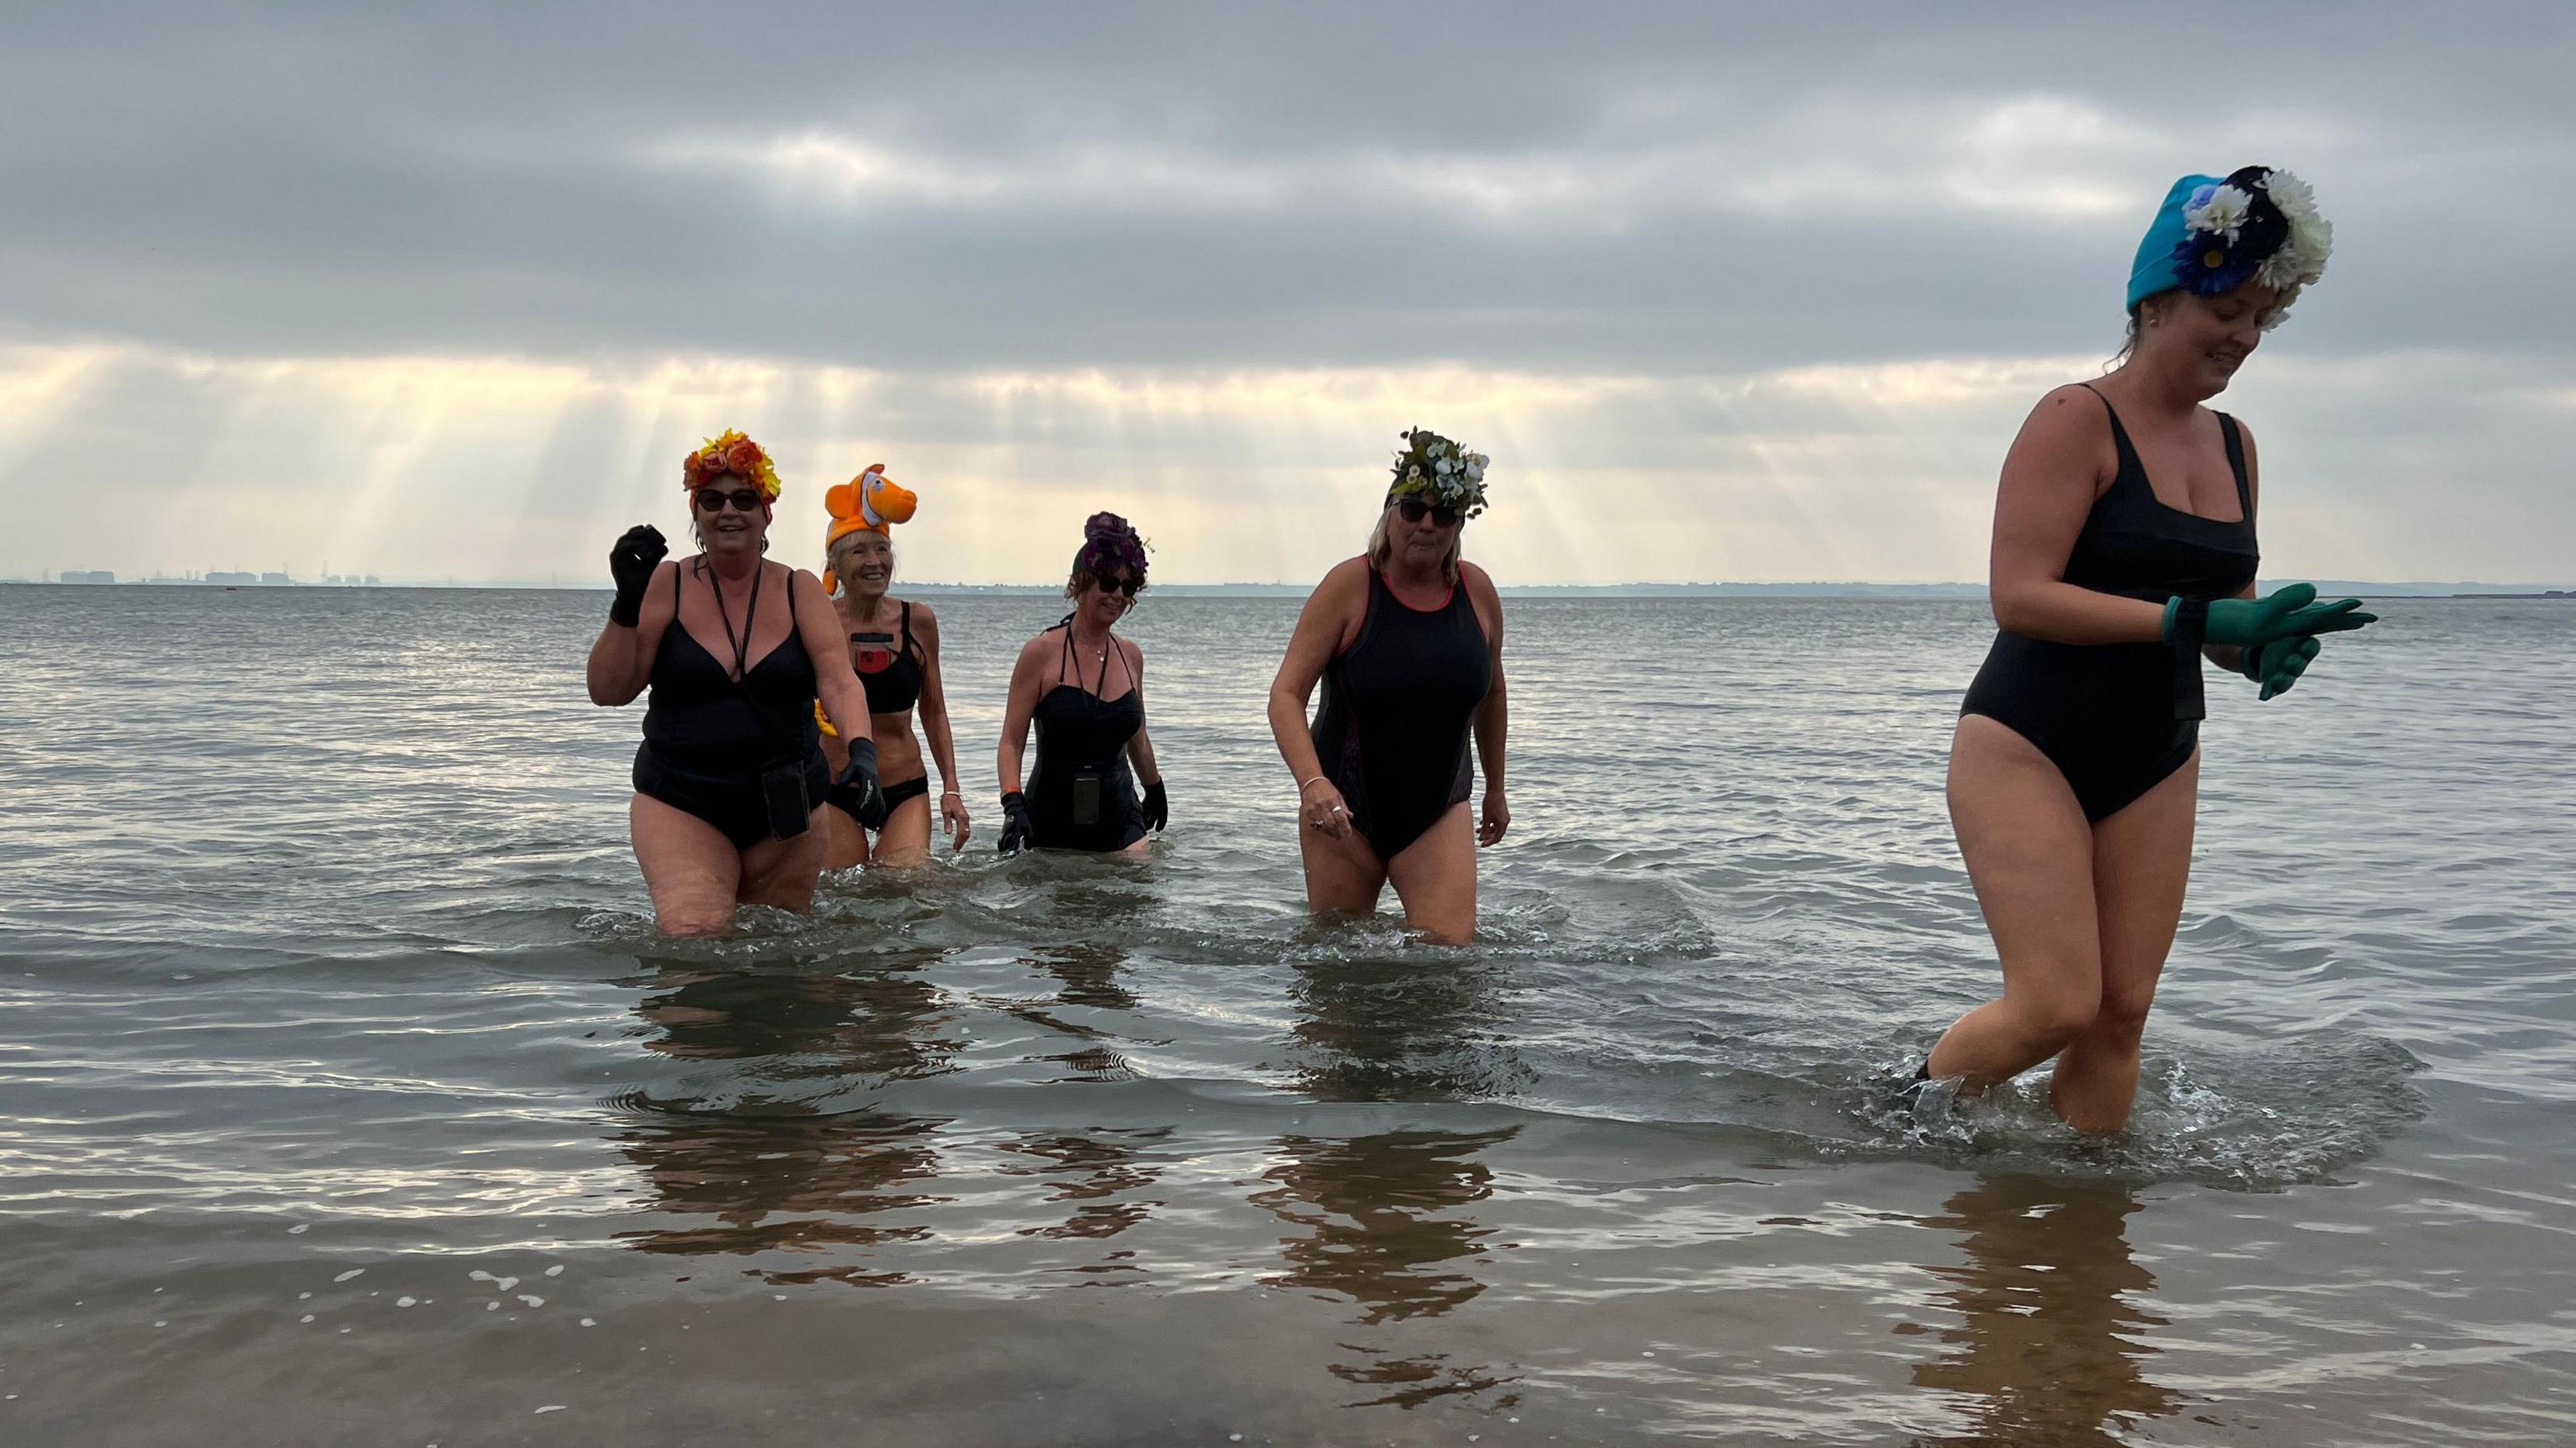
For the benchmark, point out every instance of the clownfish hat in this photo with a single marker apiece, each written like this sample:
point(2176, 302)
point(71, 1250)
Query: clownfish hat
point(870, 502)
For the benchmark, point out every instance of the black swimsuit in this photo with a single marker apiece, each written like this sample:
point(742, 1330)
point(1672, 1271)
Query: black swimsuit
point(2116, 719)
point(1398, 707)
point(892, 676)
point(709, 731)
point(1082, 795)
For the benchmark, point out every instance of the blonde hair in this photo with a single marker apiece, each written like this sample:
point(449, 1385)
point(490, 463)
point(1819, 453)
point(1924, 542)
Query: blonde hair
point(1381, 547)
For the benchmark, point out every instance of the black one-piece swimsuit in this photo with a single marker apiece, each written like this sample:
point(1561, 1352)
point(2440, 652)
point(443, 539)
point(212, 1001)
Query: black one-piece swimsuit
point(1398, 707)
point(708, 735)
point(1082, 794)
point(2117, 719)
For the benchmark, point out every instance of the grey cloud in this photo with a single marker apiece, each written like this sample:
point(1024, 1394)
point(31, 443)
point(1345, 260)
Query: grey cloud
point(296, 181)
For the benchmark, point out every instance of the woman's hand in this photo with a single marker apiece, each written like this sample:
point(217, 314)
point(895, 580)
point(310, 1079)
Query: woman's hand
point(1320, 806)
point(952, 817)
point(1497, 818)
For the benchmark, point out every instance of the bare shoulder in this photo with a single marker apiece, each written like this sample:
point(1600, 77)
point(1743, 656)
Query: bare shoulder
point(1480, 584)
point(1131, 650)
point(2069, 412)
point(925, 619)
point(1345, 584)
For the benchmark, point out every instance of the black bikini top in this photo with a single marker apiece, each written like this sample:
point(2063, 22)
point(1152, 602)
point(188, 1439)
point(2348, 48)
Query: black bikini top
point(889, 670)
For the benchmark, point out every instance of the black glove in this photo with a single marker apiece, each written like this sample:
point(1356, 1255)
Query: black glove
point(1015, 823)
point(631, 563)
point(1158, 810)
point(858, 785)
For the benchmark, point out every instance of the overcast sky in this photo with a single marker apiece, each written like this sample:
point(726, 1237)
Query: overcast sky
point(1753, 292)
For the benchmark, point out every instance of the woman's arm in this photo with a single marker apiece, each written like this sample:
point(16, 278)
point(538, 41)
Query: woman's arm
point(621, 659)
point(1140, 749)
point(1332, 611)
point(1493, 717)
point(1017, 709)
point(2052, 475)
point(952, 811)
point(934, 697)
point(818, 627)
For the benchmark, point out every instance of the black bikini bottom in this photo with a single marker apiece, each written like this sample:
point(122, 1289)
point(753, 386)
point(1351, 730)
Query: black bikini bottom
point(846, 799)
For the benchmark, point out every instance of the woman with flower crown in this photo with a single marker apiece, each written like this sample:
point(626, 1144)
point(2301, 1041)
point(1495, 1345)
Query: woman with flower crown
point(1083, 687)
point(894, 645)
point(1407, 640)
point(2123, 552)
point(730, 779)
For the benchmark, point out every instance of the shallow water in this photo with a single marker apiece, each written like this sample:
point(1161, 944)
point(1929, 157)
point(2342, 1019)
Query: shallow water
point(334, 1024)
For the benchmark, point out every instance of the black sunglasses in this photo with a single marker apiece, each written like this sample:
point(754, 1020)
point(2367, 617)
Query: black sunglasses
point(1415, 510)
point(744, 500)
point(1127, 586)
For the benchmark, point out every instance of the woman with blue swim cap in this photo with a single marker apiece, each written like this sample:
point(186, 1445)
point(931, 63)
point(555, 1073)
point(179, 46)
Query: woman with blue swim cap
point(2123, 552)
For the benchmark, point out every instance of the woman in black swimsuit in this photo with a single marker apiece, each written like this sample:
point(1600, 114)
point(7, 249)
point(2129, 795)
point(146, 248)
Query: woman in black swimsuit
point(1407, 640)
point(731, 775)
point(1084, 688)
point(894, 645)
point(2124, 544)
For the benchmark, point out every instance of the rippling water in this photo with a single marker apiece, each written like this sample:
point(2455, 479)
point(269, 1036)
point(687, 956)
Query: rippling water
point(346, 1094)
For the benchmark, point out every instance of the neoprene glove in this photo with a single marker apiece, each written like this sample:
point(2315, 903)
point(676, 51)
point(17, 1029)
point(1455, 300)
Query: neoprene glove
point(1015, 823)
point(2291, 612)
point(631, 562)
point(2276, 666)
point(859, 776)
point(1158, 809)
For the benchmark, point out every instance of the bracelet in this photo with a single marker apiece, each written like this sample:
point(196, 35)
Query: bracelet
point(1318, 779)
point(950, 794)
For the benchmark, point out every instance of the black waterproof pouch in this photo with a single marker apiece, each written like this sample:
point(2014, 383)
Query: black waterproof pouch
point(782, 790)
point(1086, 797)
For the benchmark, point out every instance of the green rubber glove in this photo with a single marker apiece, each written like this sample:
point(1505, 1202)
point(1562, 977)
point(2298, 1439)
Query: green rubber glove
point(2285, 613)
point(2276, 666)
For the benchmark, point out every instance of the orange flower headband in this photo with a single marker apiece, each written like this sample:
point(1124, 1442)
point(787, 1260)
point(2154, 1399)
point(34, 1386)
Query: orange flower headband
point(870, 502)
point(730, 453)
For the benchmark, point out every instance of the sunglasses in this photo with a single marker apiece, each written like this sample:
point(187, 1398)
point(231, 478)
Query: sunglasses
point(1415, 510)
point(744, 500)
point(1127, 586)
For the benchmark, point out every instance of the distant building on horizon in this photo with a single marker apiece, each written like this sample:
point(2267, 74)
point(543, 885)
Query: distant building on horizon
point(93, 575)
point(235, 580)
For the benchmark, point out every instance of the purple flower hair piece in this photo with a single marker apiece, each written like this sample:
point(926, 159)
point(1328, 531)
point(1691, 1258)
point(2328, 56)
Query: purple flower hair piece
point(1110, 544)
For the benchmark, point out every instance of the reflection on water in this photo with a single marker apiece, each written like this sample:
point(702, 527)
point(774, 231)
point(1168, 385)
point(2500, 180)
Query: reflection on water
point(2047, 1292)
point(1380, 1030)
point(758, 1146)
point(1386, 1220)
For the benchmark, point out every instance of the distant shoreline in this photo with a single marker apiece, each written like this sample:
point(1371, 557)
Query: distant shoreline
point(1889, 591)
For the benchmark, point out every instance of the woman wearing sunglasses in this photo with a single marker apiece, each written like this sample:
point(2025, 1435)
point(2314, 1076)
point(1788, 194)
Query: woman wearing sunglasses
point(1407, 640)
point(894, 645)
point(730, 779)
point(1084, 688)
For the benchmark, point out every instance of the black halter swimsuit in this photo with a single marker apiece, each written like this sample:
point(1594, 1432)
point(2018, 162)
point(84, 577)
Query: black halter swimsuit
point(890, 669)
point(1082, 795)
point(709, 730)
point(1399, 705)
point(2116, 719)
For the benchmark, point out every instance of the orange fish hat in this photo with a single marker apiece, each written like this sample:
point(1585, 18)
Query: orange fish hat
point(870, 502)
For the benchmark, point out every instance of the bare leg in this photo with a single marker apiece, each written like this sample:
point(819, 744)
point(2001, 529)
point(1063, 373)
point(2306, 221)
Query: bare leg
point(1342, 875)
point(2030, 855)
point(783, 872)
point(2141, 864)
point(905, 840)
point(1435, 877)
point(690, 868)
